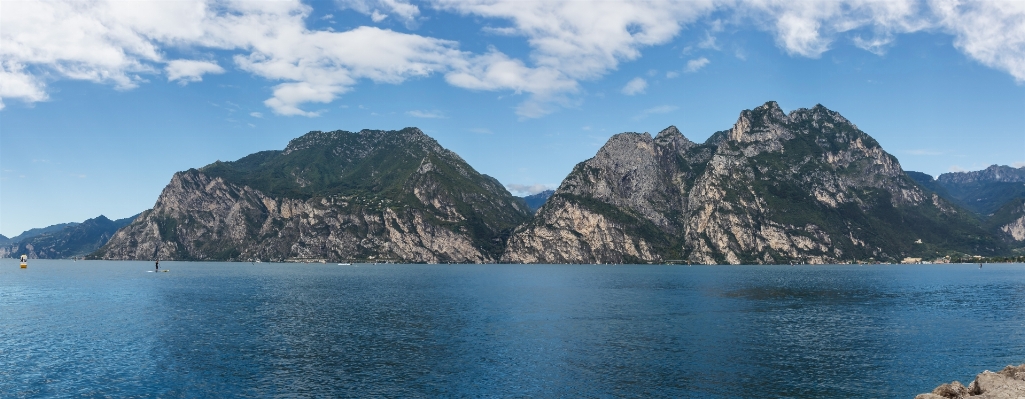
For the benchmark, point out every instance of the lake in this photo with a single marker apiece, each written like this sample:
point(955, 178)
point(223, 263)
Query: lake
point(97, 329)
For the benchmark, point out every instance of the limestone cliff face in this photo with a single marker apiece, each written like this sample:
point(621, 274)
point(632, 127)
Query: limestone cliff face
point(336, 196)
point(603, 209)
point(808, 186)
point(1011, 220)
point(1015, 229)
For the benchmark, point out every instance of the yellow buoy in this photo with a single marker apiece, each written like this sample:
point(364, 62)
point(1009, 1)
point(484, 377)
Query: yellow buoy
point(24, 261)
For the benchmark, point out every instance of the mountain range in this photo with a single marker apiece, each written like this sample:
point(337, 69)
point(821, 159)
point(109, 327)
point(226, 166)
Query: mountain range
point(801, 187)
point(65, 240)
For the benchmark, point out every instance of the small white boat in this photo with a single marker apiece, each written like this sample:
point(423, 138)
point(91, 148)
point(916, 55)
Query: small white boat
point(345, 264)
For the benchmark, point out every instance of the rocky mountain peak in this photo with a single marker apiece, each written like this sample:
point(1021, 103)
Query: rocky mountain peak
point(668, 133)
point(627, 144)
point(624, 150)
point(819, 117)
point(99, 219)
point(764, 123)
point(671, 138)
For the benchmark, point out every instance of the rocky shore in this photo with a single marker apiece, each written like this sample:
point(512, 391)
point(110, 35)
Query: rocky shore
point(1008, 383)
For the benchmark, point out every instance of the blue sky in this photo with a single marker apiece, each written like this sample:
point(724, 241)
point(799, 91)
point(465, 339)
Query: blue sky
point(104, 101)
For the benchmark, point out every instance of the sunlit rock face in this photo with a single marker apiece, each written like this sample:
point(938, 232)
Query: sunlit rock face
point(806, 187)
point(368, 196)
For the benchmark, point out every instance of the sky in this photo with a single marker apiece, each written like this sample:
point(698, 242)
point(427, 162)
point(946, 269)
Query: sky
point(101, 102)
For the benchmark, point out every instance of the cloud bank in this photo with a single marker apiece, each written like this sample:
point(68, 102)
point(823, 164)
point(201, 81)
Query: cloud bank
point(120, 43)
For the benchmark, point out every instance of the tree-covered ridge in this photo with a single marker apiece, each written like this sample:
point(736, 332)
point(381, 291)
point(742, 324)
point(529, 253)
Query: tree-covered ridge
point(335, 163)
point(331, 195)
point(400, 169)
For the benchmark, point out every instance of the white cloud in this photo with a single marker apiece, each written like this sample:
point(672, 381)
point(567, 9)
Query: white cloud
point(575, 40)
point(117, 42)
point(696, 64)
point(955, 169)
point(426, 114)
point(528, 189)
point(586, 39)
point(120, 43)
point(83, 40)
point(635, 86)
point(710, 42)
point(186, 71)
point(15, 83)
point(924, 152)
point(662, 109)
point(322, 65)
point(497, 71)
point(808, 27)
point(481, 130)
point(288, 96)
point(256, 115)
point(992, 32)
point(494, 70)
point(1018, 165)
point(378, 10)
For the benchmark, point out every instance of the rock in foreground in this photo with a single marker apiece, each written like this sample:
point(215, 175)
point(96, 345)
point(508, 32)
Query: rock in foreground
point(1008, 383)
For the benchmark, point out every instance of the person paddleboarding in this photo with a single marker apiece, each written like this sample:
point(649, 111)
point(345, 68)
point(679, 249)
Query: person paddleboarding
point(158, 265)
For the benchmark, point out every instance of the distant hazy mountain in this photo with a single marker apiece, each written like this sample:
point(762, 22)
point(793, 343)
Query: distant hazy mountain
point(41, 230)
point(808, 186)
point(70, 240)
point(995, 194)
point(537, 200)
point(928, 182)
point(985, 191)
point(369, 195)
point(4, 240)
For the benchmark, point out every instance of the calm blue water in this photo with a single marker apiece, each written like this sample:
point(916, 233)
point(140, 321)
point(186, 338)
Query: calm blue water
point(111, 329)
